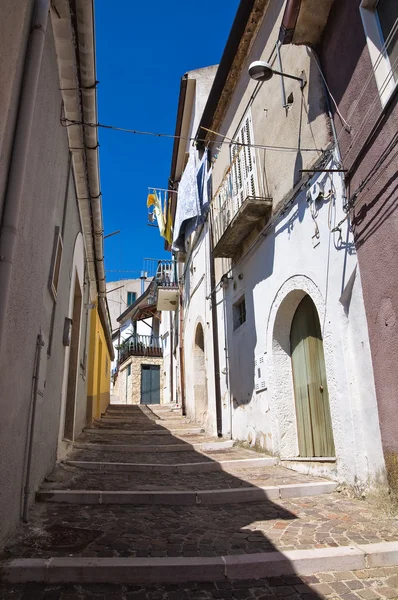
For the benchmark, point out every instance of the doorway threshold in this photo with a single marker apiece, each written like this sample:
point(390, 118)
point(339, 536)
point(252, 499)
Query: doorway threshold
point(329, 459)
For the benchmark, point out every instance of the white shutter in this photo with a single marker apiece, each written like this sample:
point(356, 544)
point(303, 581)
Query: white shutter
point(244, 163)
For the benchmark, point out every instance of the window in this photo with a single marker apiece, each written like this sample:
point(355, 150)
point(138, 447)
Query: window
point(131, 298)
point(380, 21)
point(56, 263)
point(129, 370)
point(239, 312)
point(243, 162)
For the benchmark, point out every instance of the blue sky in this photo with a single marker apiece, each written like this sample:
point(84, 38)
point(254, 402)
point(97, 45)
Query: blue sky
point(143, 49)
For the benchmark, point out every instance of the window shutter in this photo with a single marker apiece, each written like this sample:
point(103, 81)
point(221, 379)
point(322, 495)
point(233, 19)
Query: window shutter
point(243, 163)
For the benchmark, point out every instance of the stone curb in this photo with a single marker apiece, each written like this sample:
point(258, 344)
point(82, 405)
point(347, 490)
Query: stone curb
point(176, 570)
point(176, 432)
point(204, 447)
point(111, 419)
point(188, 497)
point(198, 467)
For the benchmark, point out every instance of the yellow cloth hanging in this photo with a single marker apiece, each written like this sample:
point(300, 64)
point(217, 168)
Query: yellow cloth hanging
point(168, 232)
point(153, 200)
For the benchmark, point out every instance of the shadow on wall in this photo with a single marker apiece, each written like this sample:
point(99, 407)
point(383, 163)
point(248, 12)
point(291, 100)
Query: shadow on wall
point(241, 337)
point(256, 526)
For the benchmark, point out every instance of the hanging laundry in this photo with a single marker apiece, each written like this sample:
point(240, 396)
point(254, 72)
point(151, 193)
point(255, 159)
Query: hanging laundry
point(203, 179)
point(168, 232)
point(154, 200)
point(188, 208)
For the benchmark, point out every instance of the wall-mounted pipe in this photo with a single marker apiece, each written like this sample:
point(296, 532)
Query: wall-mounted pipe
point(216, 351)
point(182, 363)
point(19, 158)
point(28, 473)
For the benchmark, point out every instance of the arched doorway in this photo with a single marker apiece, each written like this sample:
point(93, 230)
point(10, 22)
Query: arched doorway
point(314, 424)
point(200, 376)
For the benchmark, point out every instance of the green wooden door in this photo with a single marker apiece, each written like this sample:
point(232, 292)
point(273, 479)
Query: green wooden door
point(150, 384)
point(314, 424)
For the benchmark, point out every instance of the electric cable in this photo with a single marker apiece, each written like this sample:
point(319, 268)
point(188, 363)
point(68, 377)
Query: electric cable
point(70, 122)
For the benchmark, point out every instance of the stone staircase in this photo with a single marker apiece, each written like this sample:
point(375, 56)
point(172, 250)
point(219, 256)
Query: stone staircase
point(146, 497)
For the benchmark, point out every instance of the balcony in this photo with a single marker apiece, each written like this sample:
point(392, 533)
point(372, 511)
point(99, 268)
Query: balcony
point(166, 285)
point(140, 345)
point(235, 211)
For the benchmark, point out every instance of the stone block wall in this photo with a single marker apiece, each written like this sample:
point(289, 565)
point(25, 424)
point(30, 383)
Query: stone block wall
point(133, 393)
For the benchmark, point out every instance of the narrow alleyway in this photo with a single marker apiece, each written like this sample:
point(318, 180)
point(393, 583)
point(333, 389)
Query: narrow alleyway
point(146, 498)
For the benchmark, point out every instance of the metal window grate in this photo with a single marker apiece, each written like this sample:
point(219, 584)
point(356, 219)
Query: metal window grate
point(239, 312)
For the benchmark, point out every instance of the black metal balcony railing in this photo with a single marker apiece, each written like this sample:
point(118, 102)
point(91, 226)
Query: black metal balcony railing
point(140, 345)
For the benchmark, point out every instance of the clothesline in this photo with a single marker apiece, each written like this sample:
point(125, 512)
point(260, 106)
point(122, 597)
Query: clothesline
point(158, 189)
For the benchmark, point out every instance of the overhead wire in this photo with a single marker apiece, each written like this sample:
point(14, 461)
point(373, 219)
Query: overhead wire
point(70, 122)
point(368, 80)
point(365, 119)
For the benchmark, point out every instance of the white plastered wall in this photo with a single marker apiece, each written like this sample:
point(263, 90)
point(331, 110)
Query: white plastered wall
point(77, 270)
point(198, 310)
point(287, 264)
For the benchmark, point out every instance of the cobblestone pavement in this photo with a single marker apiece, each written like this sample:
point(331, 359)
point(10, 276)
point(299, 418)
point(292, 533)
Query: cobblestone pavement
point(188, 456)
point(65, 476)
point(157, 531)
point(372, 584)
point(188, 531)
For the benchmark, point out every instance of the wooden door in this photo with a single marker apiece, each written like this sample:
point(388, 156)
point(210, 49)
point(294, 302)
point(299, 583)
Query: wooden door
point(150, 384)
point(314, 424)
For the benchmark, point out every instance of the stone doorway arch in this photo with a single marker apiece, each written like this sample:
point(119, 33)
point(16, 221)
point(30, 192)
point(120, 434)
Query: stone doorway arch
point(282, 395)
point(200, 378)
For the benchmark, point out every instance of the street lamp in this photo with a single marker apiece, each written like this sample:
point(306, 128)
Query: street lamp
point(260, 70)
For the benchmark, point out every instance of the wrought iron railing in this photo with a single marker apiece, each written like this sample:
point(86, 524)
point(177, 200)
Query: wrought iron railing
point(161, 270)
point(224, 207)
point(140, 345)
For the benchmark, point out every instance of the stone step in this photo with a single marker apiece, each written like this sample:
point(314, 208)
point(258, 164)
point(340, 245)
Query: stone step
point(174, 431)
point(137, 448)
point(116, 419)
point(193, 569)
point(368, 582)
point(230, 466)
point(187, 498)
point(66, 477)
point(149, 455)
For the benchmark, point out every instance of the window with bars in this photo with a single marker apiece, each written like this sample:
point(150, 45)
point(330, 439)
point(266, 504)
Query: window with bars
point(239, 312)
point(243, 161)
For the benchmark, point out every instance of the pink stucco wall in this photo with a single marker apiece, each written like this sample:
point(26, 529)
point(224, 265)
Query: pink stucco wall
point(347, 66)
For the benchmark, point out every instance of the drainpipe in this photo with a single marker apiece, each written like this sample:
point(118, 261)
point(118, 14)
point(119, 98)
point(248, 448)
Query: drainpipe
point(171, 358)
point(215, 336)
point(27, 490)
point(182, 366)
point(17, 170)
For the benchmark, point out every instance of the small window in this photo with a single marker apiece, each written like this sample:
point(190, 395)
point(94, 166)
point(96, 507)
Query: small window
point(380, 21)
point(131, 298)
point(56, 263)
point(239, 312)
point(129, 370)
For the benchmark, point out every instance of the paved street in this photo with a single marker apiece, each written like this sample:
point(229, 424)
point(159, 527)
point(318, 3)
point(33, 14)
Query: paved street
point(221, 528)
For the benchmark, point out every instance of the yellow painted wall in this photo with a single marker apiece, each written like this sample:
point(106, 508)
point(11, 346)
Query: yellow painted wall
point(99, 366)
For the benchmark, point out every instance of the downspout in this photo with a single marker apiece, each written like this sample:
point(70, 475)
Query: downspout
point(171, 358)
point(28, 473)
point(17, 171)
point(215, 336)
point(182, 366)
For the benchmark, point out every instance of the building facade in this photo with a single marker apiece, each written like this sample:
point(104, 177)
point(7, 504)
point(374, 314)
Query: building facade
point(363, 80)
point(277, 347)
point(49, 241)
